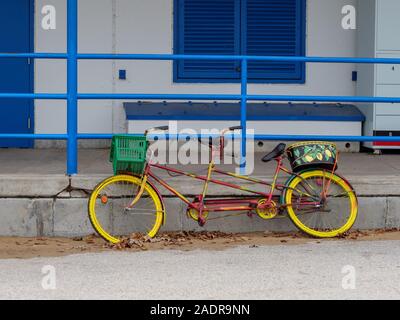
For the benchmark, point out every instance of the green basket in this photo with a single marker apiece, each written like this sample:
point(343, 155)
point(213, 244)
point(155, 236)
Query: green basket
point(128, 154)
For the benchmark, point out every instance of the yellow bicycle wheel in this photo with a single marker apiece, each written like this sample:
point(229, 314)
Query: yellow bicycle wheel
point(111, 211)
point(321, 204)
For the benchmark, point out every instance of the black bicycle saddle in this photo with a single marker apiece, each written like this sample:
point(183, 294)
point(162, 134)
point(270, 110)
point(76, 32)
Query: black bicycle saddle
point(277, 152)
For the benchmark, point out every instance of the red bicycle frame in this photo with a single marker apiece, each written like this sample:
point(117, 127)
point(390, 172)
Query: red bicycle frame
point(259, 200)
point(228, 204)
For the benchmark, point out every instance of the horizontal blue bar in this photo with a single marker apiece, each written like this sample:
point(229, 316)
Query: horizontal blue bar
point(128, 96)
point(327, 59)
point(34, 55)
point(132, 96)
point(33, 136)
point(354, 99)
point(325, 138)
point(84, 136)
point(256, 137)
point(37, 96)
point(90, 136)
point(105, 56)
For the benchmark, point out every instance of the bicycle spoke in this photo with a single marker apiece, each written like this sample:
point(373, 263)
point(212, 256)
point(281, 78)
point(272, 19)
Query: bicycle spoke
point(116, 214)
point(332, 209)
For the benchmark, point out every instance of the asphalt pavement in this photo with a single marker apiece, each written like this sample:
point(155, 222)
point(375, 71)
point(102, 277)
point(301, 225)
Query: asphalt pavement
point(316, 270)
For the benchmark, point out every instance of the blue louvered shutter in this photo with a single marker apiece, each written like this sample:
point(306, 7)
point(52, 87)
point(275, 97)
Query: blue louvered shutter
point(208, 27)
point(274, 28)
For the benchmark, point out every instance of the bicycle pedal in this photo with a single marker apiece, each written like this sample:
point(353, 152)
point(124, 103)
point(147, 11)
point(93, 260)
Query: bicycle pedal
point(201, 222)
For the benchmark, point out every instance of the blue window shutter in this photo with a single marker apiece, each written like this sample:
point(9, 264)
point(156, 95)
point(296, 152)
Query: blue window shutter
point(274, 28)
point(208, 27)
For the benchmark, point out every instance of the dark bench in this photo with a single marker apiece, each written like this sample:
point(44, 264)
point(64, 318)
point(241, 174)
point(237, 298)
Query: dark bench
point(231, 111)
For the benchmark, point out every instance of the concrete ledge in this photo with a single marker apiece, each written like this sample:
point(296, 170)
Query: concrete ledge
point(37, 199)
point(32, 185)
point(68, 217)
point(15, 186)
point(36, 206)
point(364, 185)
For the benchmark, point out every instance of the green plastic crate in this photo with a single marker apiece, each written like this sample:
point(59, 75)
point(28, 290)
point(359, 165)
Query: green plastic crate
point(128, 154)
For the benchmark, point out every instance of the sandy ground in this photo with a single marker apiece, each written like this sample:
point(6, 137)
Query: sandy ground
point(25, 248)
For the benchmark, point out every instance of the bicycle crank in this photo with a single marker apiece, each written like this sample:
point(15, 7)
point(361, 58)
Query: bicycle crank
point(194, 214)
point(266, 210)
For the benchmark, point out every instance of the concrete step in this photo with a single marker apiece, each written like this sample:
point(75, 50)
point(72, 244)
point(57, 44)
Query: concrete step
point(46, 205)
point(48, 186)
point(37, 199)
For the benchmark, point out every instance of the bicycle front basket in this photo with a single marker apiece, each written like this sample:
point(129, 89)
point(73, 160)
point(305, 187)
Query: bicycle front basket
point(128, 154)
point(312, 155)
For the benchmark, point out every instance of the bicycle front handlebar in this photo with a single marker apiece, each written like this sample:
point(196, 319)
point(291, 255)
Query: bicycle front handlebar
point(209, 143)
point(235, 128)
point(162, 128)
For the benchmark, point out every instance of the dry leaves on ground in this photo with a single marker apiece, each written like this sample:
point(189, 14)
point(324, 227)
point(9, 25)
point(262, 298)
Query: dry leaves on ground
point(356, 234)
point(204, 239)
point(140, 241)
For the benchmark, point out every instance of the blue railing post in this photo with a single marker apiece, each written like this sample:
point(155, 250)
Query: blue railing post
point(72, 87)
point(243, 116)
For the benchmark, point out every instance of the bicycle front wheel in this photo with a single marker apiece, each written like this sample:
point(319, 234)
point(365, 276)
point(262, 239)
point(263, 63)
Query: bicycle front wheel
point(321, 204)
point(112, 213)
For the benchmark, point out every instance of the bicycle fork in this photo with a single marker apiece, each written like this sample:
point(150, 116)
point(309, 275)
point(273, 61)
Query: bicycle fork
point(202, 220)
point(139, 194)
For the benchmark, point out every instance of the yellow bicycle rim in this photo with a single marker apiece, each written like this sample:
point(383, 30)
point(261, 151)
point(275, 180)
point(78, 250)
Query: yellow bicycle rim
point(124, 178)
point(340, 182)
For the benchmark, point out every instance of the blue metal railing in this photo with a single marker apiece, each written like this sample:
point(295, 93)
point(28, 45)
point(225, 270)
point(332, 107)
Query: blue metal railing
point(72, 86)
point(72, 96)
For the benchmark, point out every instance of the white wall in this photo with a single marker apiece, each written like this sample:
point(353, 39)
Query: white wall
point(96, 35)
point(138, 26)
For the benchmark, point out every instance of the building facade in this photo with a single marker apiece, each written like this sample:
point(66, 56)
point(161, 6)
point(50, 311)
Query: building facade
point(152, 26)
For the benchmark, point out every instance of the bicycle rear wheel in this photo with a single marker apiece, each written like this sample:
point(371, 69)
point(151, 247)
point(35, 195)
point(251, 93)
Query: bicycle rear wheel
point(112, 214)
point(321, 204)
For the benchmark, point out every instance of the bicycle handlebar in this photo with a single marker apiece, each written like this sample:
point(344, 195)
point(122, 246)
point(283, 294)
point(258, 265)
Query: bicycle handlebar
point(166, 128)
point(236, 128)
point(162, 128)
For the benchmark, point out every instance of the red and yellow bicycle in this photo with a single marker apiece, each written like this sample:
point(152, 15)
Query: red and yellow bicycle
point(317, 200)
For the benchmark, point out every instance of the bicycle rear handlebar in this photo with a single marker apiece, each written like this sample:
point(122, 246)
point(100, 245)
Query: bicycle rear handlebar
point(166, 128)
point(209, 142)
point(162, 128)
point(235, 128)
